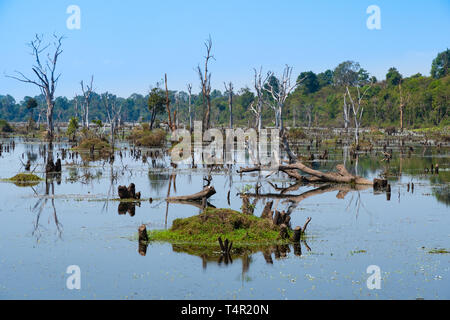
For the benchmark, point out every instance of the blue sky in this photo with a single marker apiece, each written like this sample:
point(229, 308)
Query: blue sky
point(129, 45)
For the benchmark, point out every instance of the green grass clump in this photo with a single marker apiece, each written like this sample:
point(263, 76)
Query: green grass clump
point(99, 144)
point(144, 137)
point(438, 251)
point(5, 126)
point(208, 226)
point(25, 179)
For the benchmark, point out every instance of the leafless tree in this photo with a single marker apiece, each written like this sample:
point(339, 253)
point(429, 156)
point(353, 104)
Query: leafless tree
point(357, 108)
point(113, 111)
point(44, 71)
point(87, 95)
point(191, 123)
point(229, 90)
point(205, 79)
point(171, 124)
point(281, 93)
point(257, 105)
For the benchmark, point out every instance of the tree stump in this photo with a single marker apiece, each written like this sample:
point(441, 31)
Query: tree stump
point(58, 165)
point(284, 231)
point(379, 184)
point(297, 234)
point(267, 210)
point(142, 231)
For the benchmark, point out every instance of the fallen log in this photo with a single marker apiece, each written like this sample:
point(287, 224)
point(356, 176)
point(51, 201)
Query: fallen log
point(340, 176)
point(199, 196)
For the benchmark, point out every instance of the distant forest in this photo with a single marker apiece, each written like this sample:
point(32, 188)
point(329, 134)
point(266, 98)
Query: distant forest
point(317, 101)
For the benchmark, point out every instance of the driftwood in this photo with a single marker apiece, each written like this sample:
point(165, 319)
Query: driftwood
point(199, 196)
point(340, 176)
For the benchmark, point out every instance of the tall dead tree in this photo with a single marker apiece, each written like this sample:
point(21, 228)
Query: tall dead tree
point(191, 123)
point(171, 122)
point(87, 95)
point(281, 93)
point(113, 111)
point(357, 108)
point(44, 70)
point(229, 90)
point(403, 101)
point(205, 80)
point(257, 105)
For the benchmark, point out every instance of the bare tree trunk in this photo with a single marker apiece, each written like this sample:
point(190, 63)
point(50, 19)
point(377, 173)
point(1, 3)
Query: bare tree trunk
point(191, 123)
point(205, 79)
point(229, 89)
point(45, 73)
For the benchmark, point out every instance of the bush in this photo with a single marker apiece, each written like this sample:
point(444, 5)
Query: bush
point(296, 134)
point(5, 126)
point(147, 138)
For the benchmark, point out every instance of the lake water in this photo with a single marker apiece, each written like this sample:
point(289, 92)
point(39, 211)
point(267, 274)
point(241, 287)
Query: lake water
point(73, 220)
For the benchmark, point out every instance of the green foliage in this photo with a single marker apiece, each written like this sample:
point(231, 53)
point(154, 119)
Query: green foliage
point(5, 126)
point(440, 65)
point(72, 127)
point(208, 226)
point(393, 77)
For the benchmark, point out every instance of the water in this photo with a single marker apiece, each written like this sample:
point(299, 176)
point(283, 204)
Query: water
point(77, 223)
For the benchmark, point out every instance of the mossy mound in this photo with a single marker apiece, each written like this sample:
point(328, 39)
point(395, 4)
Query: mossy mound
point(97, 143)
point(208, 226)
point(25, 179)
point(148, 138)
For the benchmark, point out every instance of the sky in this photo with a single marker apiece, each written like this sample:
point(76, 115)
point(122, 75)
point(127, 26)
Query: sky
point(129, 45)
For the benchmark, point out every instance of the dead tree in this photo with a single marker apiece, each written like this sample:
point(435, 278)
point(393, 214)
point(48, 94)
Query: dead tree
point(229, 90)
point(87, 95)
point(281, 93)
point(257, 105)
point(205, 80)
point(44, 70)
point(113, 112)
point(191, 123)
point(357, 108)
point(171, 123)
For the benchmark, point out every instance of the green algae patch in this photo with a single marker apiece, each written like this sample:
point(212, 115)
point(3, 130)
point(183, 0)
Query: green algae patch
point(212, 223)
point(439, 251)
point(25, 179)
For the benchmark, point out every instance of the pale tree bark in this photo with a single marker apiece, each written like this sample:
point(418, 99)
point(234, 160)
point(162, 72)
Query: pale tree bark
point(87, 95)
point(357, 108)
point(403, 102)
point(172, 125)
point(44, 71)
point(205, 80)
point(259, 87)
point(191, 123)
point(113, 112)
point(229, 90)
point(279, 96)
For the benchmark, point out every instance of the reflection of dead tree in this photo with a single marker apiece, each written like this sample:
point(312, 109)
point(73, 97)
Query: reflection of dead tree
point(39, 207)
point(343, 190)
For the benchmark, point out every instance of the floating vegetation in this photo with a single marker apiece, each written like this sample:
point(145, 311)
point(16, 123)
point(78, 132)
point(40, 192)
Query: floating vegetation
point(438, 251)
point(208, 226)
point(25, 179)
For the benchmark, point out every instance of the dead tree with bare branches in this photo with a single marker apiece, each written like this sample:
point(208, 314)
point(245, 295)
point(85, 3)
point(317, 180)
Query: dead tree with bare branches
point(87, 95)
point(113, 111)
point(191, 123)
point(281, 93)
point(257, 104)
point(229, 90)
point(171, 124)
point(205, 80)
point(44, 71)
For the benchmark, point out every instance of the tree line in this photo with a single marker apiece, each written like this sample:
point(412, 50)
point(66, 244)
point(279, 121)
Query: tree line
point(347, 96)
